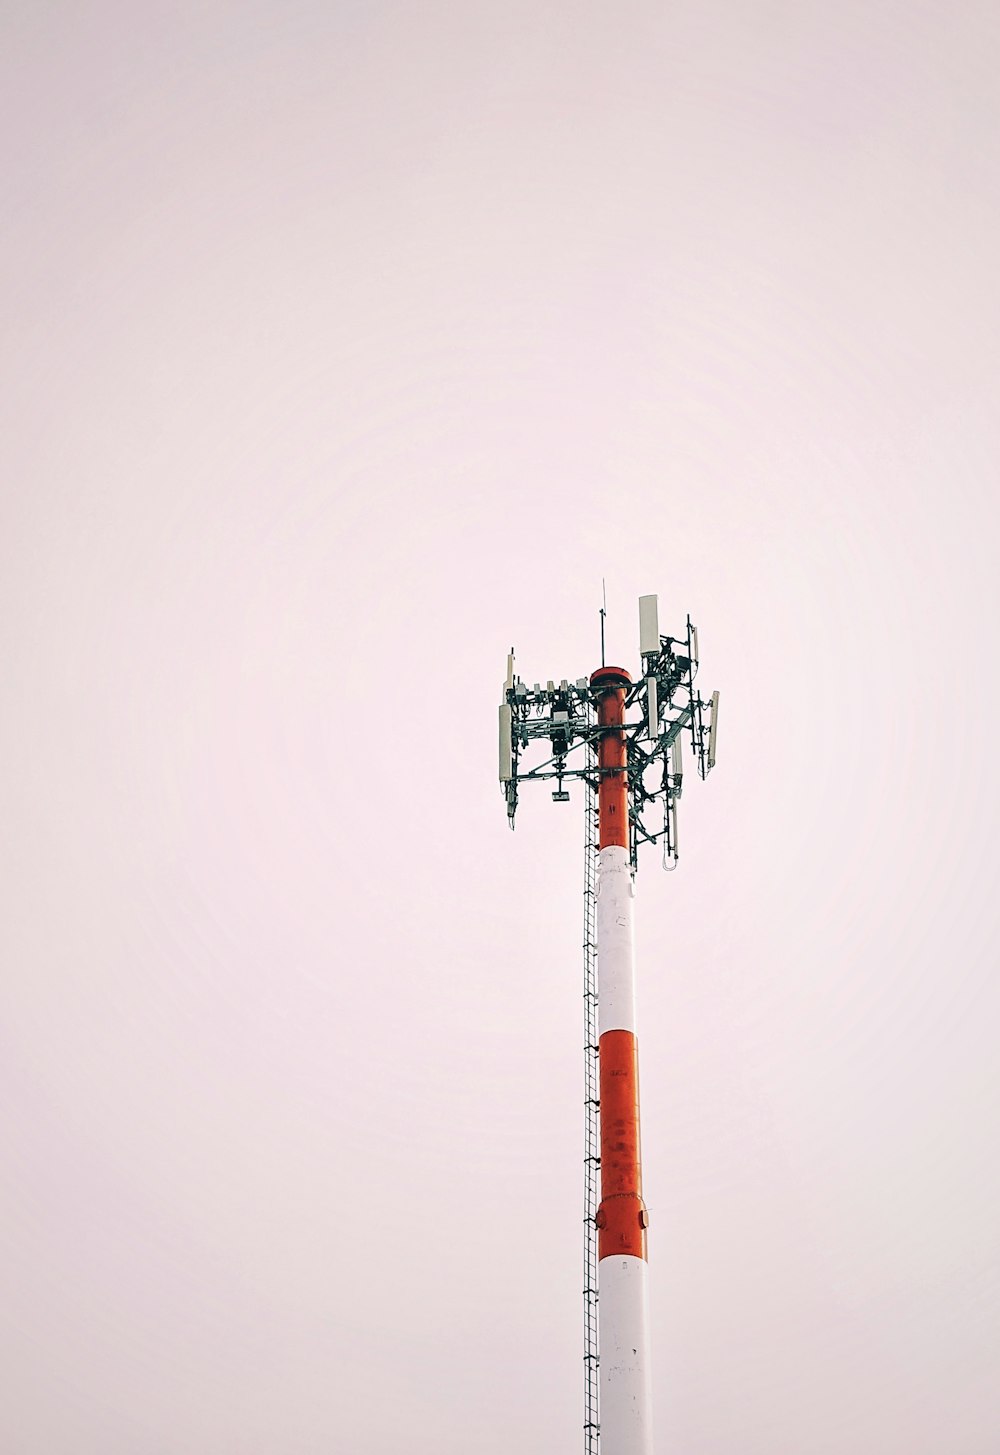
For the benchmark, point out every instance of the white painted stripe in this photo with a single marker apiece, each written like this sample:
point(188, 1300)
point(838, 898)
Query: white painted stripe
point(615, 942)
point(623, 1308)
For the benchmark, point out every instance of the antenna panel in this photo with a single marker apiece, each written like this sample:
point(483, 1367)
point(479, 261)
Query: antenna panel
point(506, 755)
point(652, 709)
point(510, 670)
point(649, 625)
point(712, 729)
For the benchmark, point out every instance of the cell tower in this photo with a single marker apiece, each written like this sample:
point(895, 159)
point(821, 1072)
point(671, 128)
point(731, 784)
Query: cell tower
point(630, 734)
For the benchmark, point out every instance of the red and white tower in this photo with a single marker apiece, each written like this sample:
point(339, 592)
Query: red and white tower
point(625, 1403)
point(633, 764)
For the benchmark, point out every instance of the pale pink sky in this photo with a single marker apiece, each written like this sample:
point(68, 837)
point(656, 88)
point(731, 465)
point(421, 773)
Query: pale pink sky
point(344, 346)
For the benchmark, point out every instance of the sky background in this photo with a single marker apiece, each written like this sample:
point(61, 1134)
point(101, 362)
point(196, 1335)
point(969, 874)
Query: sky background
point(344, 346)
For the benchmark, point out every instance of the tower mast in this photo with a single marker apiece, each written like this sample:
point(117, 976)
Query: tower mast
point(622, 1220)
point(619, 752)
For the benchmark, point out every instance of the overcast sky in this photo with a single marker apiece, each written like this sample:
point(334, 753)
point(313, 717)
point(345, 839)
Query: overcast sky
point(346, 345)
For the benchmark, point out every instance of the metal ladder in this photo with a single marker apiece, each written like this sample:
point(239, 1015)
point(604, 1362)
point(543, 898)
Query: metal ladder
point(592, 1130)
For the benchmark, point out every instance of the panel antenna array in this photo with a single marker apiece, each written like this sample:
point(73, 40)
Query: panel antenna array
point(666, 710)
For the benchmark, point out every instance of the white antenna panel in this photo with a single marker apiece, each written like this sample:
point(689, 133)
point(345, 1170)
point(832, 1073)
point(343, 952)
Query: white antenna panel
point(649, 625)
point(676, 757)
point(652, 709)
point(712, 730)
point(510, 670)
point(506, 757)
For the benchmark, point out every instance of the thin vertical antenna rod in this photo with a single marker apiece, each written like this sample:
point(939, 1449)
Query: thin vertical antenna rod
point(604, 612)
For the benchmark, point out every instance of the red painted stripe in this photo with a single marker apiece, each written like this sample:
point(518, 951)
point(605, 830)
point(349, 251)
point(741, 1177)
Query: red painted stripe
point(621, 1217)
point(609, 685)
